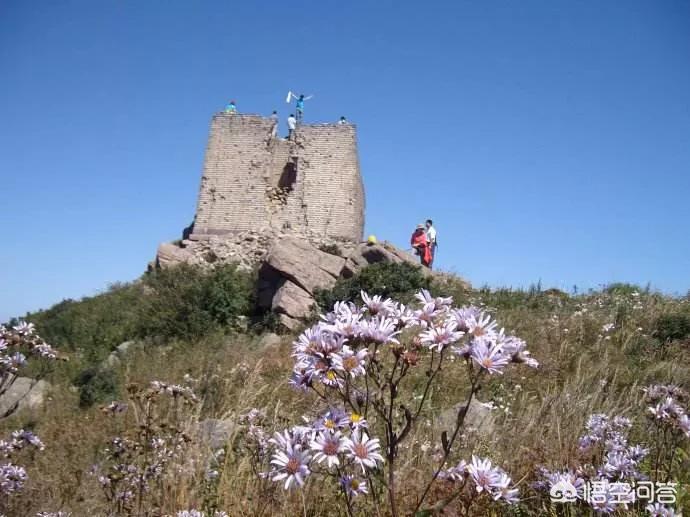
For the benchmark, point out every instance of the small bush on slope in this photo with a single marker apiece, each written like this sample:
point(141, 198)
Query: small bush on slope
point(400, 281)
point(671, 327)
point(181, 302)
point(187, 302)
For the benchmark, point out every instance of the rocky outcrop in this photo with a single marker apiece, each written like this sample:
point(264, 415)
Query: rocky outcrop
point(23, 393)
point(480, 418)
point(304, 265)
point(292, 301)
point(247, 249)
point(367, 253)
point(269, 340)
point(214, 433)
point(115, 357)
point(292, 266)
point(169, 254)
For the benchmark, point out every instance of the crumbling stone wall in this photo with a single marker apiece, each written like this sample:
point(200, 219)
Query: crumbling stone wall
point(311, 184)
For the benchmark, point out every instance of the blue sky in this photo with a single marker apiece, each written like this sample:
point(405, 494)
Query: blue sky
point(549, 140)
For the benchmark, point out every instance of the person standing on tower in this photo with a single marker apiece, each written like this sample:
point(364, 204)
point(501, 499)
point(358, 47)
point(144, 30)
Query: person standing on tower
point(292, 124)
point(299, 105)
point(231, 107)
point(274, 121)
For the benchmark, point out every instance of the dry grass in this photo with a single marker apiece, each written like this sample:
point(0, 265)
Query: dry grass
point(583, 371)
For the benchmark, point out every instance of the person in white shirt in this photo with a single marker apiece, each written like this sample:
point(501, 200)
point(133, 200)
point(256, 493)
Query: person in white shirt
point(292, 124)
point(342, 121)
point(431, 239)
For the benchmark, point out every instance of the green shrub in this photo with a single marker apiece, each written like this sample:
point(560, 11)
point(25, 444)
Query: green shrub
point(96, 324)
point(180, 302)
point(670, 327)
point(96, 385)
point(332, 249)
point(186, 301)
point(623, 288)
point(399, 281)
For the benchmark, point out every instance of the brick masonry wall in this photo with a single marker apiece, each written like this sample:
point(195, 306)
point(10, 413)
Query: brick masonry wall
point(243, 166)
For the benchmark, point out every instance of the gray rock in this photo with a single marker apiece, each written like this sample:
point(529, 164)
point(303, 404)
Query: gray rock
point(112, 361)
point(304, 264)
point(170, 255)
point(116, 356)
point(125, 347)
point(215, 433)
point(269, 340)
point(366, 254)
point(292, 300)
point(289, 323)
point(24, 393)
point(479, 417)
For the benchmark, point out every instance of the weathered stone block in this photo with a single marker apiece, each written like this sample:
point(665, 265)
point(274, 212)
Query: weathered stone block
point(305, 265)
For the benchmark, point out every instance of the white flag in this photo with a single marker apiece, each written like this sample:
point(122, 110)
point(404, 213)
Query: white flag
point(287, 99)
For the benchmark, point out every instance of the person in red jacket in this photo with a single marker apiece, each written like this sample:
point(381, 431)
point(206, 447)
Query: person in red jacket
point(421, 245)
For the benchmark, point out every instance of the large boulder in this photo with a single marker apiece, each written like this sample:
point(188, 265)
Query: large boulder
point(24, 393)
point(214, 433)
point(293, 301)
point(304, 264)
point(269, 340)
point(116, 356)
point(479, 418)
point(367, 253)
point(170, 254)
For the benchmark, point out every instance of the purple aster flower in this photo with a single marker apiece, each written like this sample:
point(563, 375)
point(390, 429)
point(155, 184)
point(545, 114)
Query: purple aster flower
point(464, 315)
point(350, 362)
point(300, 380)
point(357, 421)
point(456, 473)
point(327, 446)
point(439, 303)
point(380, 330)
point(441, 336)
point(291, 465)
point(376, 304)
point(12, 478)
point(503, 490)
point(425, 316)
point(480, 325)
point(353, 486)
point(24, 328)
point(490, 358)
point(516, 348)
point(484, 475)
point(363, 450)
point(659, 510)
point(332, 420)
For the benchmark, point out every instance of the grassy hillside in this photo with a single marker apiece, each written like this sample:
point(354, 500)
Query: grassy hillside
point(596, 351)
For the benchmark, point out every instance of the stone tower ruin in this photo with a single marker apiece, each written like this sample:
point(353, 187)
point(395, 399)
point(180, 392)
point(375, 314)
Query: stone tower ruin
point(310, 184)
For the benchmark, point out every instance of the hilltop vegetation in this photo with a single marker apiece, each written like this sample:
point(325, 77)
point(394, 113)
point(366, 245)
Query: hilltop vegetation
point(199, 333)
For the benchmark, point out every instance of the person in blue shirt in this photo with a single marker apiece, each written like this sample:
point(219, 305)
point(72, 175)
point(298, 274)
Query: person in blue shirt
point(299, 105)
point(231, 107)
